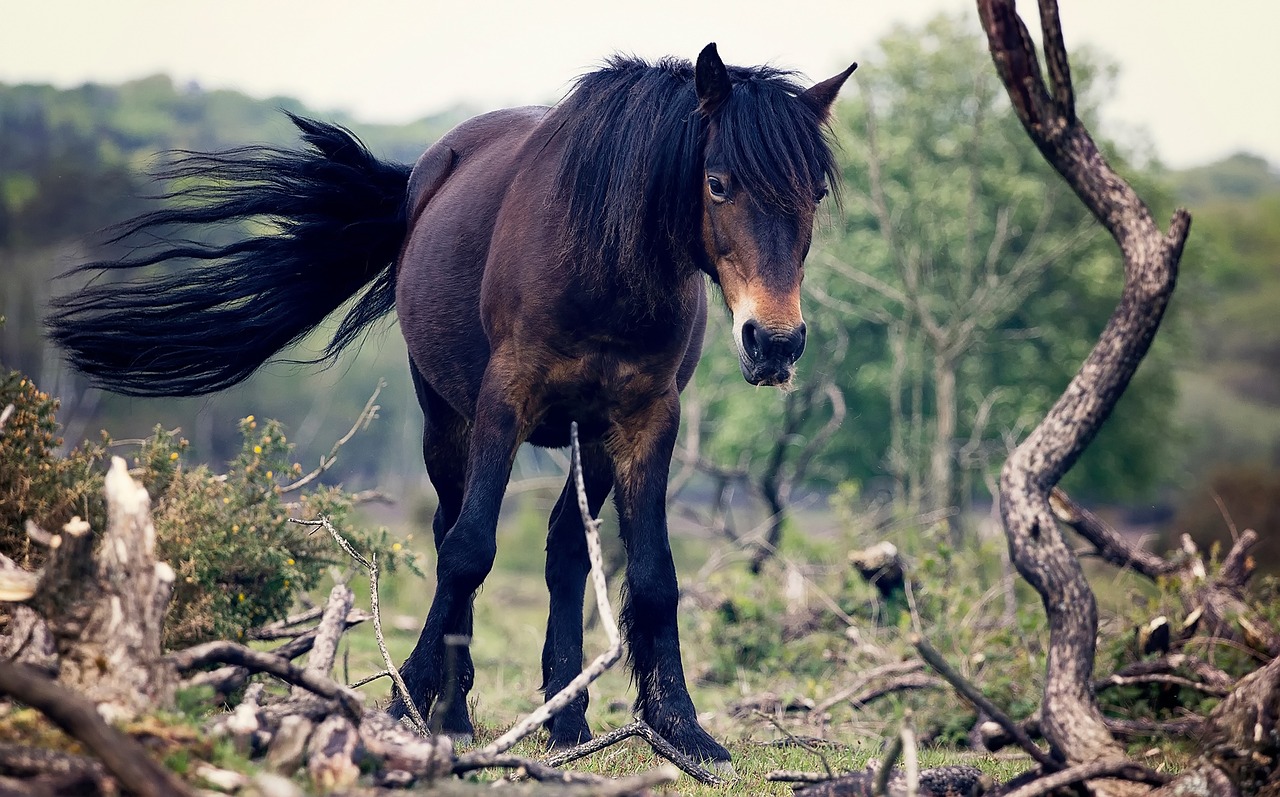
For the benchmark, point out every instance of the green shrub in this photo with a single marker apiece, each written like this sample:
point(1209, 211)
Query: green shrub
point(35, 484)
point(239, 562)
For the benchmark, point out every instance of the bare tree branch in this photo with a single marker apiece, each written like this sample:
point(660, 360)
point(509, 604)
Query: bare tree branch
point(366, 416)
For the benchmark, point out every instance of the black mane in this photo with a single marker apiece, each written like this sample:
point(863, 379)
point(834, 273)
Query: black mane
point(632, 174)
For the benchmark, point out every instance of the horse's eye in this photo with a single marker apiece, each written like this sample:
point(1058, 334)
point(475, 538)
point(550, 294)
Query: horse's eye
point(820, 195)
point(717, 189)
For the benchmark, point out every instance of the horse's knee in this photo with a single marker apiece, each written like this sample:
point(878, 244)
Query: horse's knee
point(652, 589)
point(465, 558)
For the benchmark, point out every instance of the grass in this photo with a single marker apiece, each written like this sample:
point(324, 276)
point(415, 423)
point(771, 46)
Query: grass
point(510, 616)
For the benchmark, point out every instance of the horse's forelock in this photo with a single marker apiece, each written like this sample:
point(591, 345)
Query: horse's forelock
point(772, 142)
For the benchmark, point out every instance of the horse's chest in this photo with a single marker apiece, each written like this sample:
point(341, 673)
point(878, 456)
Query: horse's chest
point(596, 391)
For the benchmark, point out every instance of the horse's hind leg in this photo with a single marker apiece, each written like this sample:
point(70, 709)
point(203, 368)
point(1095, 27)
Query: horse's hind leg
point(641, 445)
point(566, 572)
point(445, 439)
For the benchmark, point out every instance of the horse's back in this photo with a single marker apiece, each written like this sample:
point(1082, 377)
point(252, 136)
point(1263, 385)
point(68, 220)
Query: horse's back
point(455, 193)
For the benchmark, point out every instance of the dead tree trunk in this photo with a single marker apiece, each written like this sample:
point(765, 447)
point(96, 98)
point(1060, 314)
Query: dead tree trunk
point(1070, 718)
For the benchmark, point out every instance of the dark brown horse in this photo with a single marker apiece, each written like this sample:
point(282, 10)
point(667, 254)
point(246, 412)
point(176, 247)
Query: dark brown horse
point(547, 265)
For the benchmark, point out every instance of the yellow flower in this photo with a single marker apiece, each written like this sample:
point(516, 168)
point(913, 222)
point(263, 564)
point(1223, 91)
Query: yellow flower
point(270, 474)
point(290, 562)
point(241, 596)
point(396, 546)
point(226, 500)
point(257, 449)
point(235, 527)
point(173, 456)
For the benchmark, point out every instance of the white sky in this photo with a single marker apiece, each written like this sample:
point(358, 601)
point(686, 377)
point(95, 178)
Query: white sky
point(1199, 78)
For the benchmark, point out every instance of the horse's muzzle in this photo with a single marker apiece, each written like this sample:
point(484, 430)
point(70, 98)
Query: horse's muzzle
point(769, 356)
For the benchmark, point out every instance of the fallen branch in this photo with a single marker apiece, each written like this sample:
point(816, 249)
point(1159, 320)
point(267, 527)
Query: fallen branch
point(226, 680)
point(936, 782)
point(28, 762)
point(127, 761)
point(230, 653)
point(324, 651)
point(1113, 768)
point(1160, 678)
point(642, 729)
point(984, 706)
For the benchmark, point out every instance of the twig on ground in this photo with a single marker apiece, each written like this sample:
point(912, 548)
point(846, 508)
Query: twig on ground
point(642, 729)
point(363, 420)
point(796, 740)
point(368, 679)
point(793, 776)
point(1112, 768)
point(865, 678)
point(419, 723)
point(980, 701)
point(600, 786)
point(274, 631)
point(1160, 678)
point(910, 757)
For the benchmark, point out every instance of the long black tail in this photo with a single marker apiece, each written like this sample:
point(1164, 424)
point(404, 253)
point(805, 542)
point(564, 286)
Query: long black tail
point(316, 226)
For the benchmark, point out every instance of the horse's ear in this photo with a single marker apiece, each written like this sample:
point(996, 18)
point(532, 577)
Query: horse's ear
point(820, 96)
point(711, 79)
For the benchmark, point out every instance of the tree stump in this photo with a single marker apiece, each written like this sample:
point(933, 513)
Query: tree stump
point(105, 610)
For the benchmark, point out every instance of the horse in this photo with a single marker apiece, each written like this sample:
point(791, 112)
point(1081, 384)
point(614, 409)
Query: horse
point(548, 265)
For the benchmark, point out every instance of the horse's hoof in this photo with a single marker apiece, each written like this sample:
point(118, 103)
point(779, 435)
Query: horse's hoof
point(558, 740)
point(687, 736)
point(722, 769)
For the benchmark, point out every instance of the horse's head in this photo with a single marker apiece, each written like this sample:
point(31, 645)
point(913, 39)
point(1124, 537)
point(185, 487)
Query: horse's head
point(766, 167)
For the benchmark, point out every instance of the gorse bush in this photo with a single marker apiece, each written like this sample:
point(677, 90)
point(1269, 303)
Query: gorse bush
point(239, 562)
point(35, 484)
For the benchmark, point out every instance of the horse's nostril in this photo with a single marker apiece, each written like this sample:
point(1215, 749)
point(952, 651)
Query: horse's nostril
point(798, 345)
point(752, 339)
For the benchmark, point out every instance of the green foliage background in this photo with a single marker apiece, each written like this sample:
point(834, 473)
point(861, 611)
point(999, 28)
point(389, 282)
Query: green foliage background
point(952, 159)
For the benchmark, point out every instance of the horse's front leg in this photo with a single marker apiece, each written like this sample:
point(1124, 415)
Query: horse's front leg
point(464, 558)
point(641, 444)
